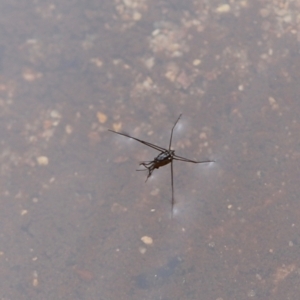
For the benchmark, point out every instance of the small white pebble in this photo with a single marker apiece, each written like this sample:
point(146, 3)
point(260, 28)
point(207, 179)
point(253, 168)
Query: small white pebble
point(196, 62)
point(224, 8)
point(147, 240)
point(142, 250)
point(24, 212)
point(68, 129)
point(55, 114)
point(43, 160)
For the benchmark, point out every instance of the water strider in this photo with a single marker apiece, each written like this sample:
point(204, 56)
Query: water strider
point(165, 157)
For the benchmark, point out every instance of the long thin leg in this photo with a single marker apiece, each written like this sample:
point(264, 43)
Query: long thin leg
point(141, 141)
point(180, 158)
point(172, 183)
point(172, 132)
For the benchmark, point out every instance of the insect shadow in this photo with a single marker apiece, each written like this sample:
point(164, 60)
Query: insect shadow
point(165, 157)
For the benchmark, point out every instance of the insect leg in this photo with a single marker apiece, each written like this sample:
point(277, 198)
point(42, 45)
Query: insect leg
point(172, 183)
point(141, 141)
point(180, 158)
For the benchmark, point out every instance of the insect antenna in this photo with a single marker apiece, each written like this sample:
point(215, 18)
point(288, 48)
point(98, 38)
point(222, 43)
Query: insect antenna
point(172, 132)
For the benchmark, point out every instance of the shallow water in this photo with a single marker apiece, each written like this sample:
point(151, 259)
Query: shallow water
point(78, 222)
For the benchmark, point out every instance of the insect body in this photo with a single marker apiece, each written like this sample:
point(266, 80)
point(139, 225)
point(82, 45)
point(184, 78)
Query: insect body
point(160, 160)
point(165, 157)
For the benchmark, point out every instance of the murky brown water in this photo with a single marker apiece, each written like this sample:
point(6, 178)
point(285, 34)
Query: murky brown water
point(78, 222)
